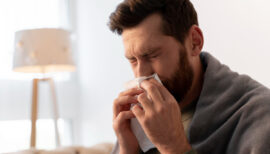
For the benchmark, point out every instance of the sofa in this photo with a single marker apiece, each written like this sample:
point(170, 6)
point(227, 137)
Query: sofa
point(102, 148)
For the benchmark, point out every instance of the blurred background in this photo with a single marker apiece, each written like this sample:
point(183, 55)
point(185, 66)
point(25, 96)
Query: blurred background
point(235, 31)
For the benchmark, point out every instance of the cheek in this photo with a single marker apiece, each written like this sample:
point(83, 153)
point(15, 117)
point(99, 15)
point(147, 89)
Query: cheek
point(167, 65)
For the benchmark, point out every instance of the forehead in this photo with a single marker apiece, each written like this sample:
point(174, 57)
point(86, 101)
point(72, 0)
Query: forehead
point(147, 34)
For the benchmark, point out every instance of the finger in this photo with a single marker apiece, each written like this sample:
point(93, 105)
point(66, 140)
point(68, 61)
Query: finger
point(123, 103)
point(146, 103)
point(131, 92)
point(165, 94)
point(138, 112)
point(122, 117)
point(153, 91)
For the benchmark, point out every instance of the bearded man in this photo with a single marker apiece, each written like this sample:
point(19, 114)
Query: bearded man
point(201, 106)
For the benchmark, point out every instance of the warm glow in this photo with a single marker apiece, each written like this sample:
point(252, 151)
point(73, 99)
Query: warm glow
point(45, 69)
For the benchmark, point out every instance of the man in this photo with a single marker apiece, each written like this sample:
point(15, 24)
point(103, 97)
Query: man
point(224, 112)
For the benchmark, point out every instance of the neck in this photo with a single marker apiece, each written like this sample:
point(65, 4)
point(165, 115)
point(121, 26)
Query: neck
point(196, 87)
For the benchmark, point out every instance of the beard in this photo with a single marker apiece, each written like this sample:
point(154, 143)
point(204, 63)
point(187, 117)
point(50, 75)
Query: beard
point(181, 80)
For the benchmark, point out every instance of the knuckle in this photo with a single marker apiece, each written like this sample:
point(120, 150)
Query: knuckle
point(151, 87)
point(121, 115)
point(117, 128)
point(115, 100)
point(161, 110)
point(117, 121)
point(121, 93)
point(115, 103)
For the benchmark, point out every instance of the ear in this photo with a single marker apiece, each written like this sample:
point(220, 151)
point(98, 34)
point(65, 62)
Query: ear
point(196, 40)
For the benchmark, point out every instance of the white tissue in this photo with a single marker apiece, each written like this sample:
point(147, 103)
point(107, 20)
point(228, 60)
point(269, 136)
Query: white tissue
point(137, 81)
point(144, 142)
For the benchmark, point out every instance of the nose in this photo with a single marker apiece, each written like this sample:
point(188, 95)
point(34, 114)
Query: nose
point(144, 69)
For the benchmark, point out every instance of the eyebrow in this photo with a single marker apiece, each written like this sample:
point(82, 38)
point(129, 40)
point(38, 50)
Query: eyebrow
point(147, 52)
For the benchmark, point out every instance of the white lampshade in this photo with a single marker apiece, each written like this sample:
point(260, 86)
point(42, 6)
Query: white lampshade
point(43, 51)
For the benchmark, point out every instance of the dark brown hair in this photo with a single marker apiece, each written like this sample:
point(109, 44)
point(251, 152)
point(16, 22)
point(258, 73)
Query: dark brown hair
point(178, 16)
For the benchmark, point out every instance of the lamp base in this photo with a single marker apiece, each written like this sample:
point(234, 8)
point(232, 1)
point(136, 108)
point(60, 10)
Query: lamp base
point(34, 111)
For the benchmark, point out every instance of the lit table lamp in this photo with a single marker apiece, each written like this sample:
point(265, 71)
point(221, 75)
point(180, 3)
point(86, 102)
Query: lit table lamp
point(43, 51)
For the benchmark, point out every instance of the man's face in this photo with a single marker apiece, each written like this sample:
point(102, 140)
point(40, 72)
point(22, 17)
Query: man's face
point(150, 51)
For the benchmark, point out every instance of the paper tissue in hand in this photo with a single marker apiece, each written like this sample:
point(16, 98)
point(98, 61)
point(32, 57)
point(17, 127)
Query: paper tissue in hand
point(137, 81)
point(144, 142)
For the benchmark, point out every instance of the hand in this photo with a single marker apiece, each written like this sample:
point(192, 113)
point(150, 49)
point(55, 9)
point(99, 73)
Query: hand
point(121, 120)
point(161, 118)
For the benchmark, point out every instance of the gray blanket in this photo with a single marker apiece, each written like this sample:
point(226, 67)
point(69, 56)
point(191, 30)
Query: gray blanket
point(232, 114)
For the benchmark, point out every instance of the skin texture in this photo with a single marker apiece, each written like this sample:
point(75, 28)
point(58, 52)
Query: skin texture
point(150, 51)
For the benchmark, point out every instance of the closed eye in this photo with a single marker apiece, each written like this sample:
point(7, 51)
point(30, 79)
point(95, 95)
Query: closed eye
point(152, 56)
point(132, 60)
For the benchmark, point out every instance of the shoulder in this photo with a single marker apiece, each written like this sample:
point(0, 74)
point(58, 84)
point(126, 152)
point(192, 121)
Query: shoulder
point(252, 131)
point(257, 106)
